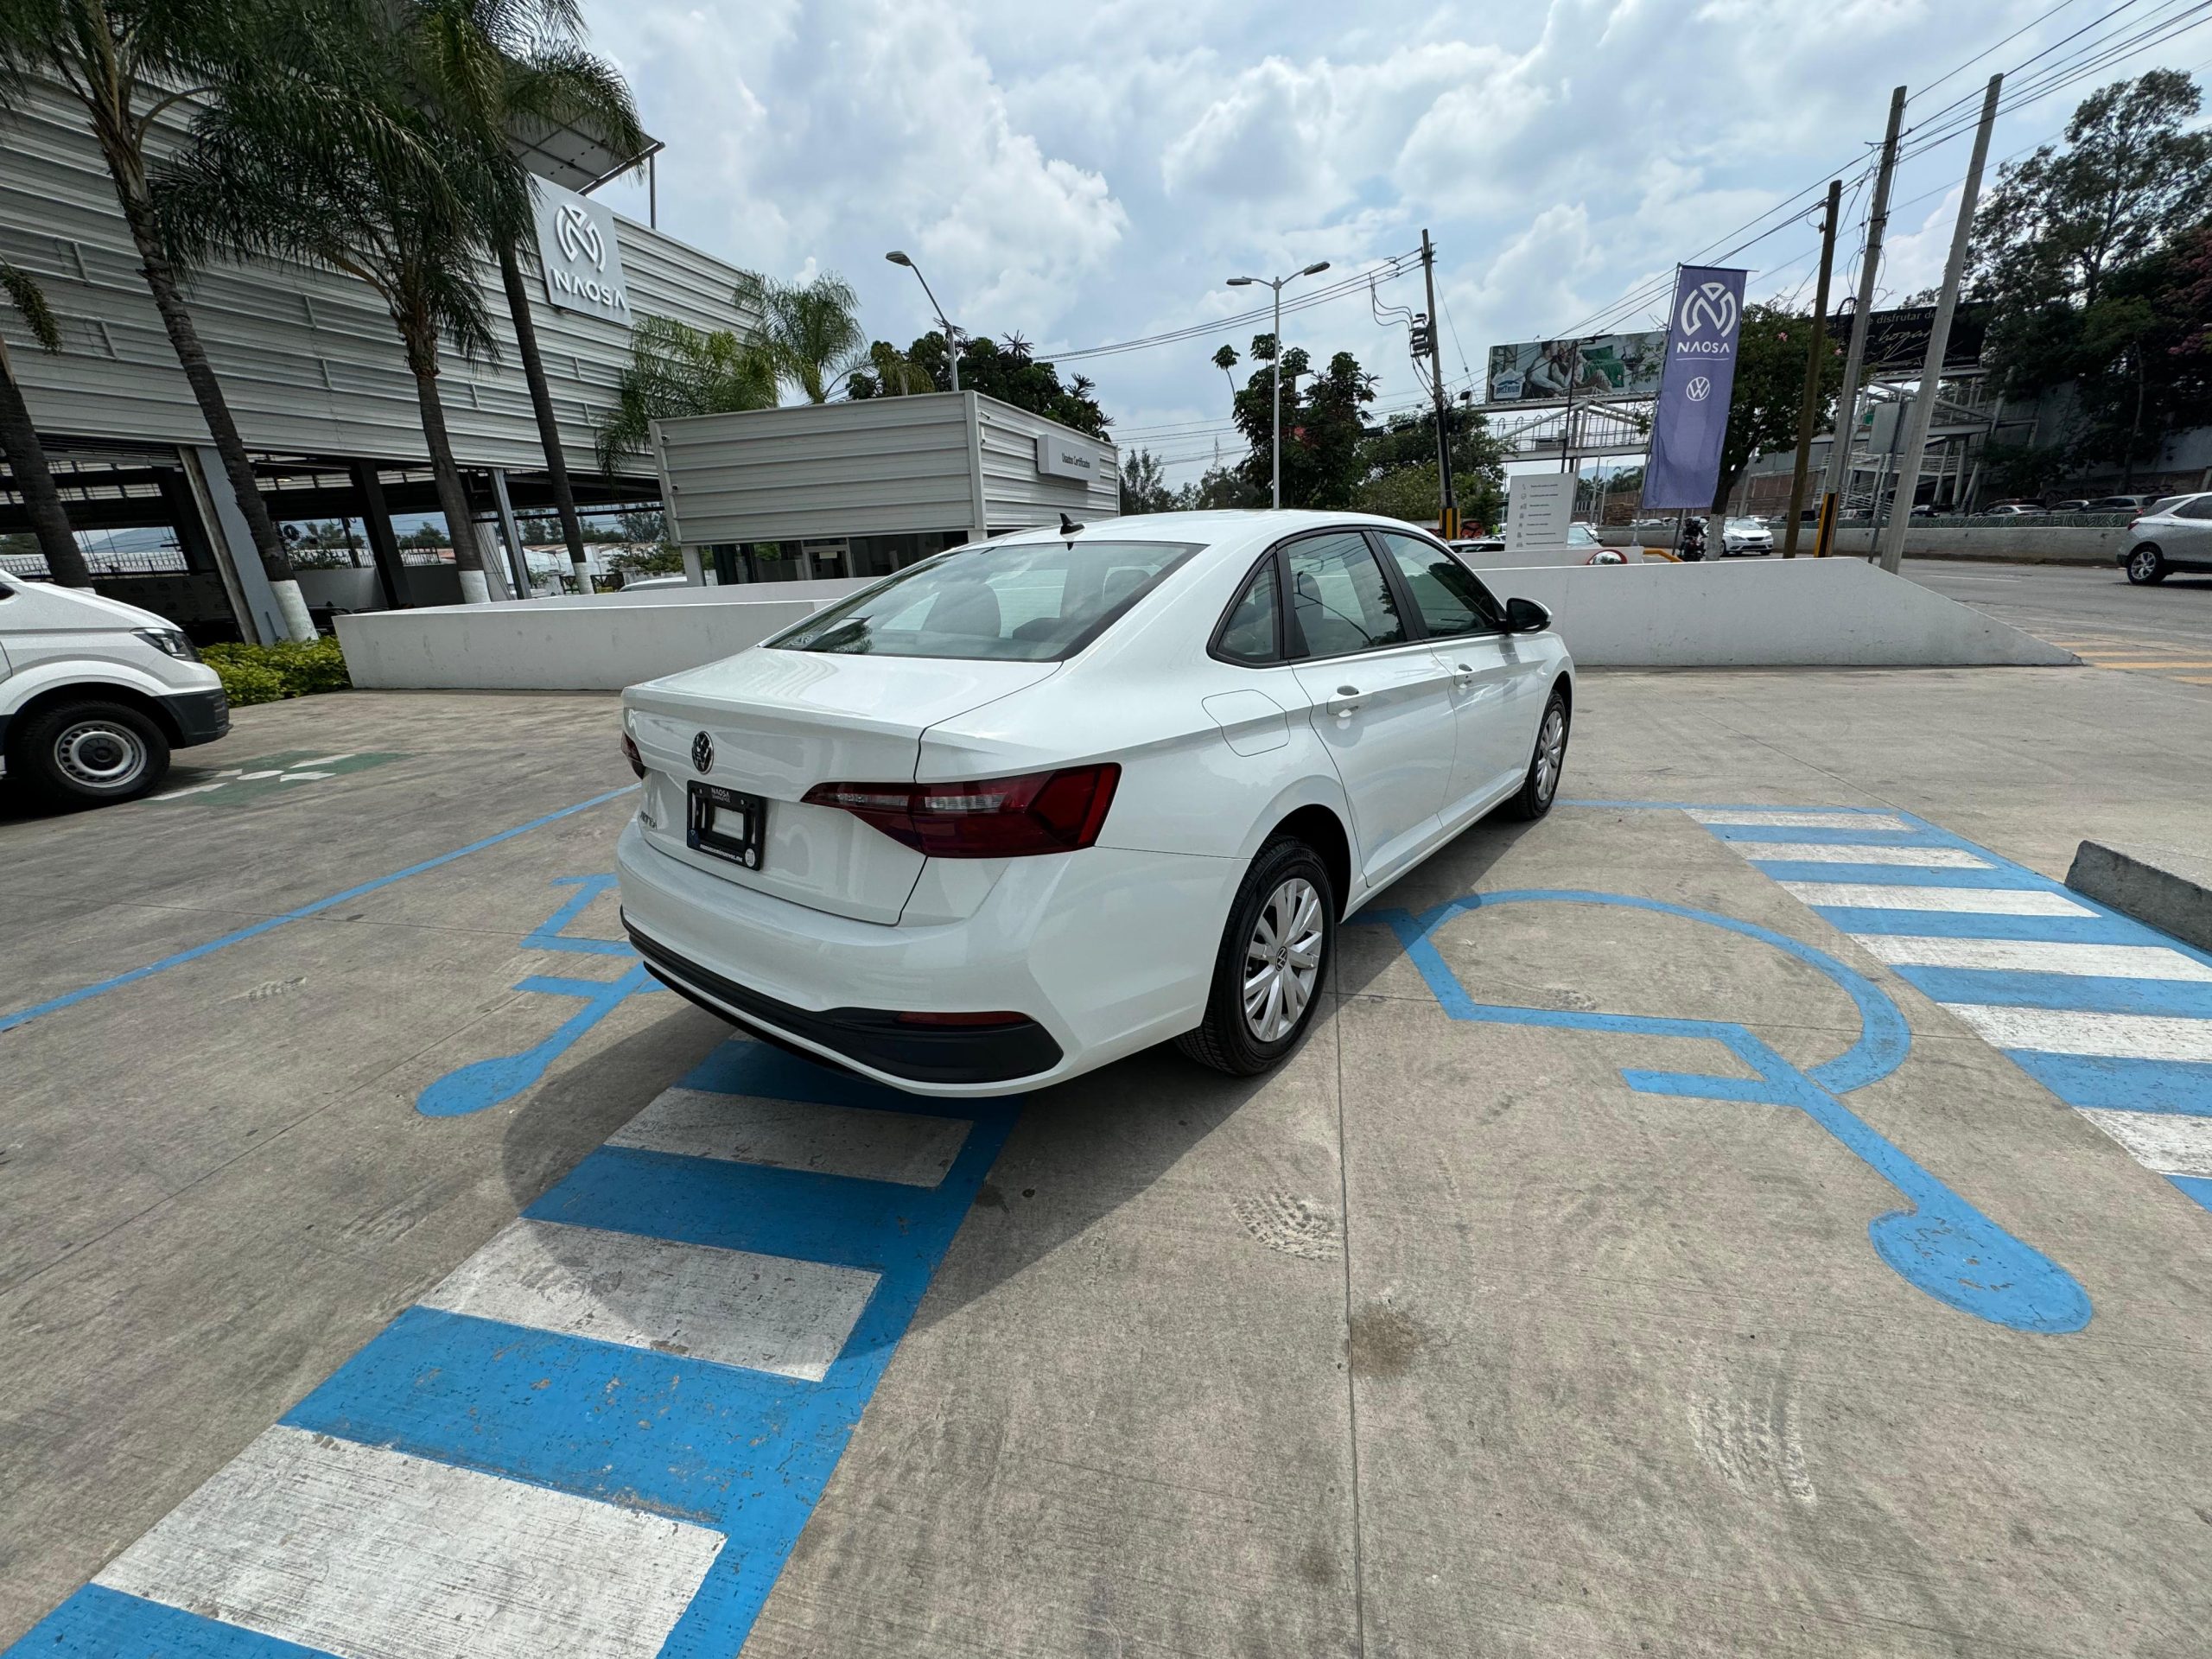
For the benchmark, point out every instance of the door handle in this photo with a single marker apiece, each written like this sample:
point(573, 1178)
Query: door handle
point(1346, 710)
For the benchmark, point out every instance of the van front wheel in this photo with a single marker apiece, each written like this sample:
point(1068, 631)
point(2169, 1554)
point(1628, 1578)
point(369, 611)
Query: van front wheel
point(88, 753)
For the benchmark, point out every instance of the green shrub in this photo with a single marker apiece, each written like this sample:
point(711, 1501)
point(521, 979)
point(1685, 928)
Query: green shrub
point(270, 673)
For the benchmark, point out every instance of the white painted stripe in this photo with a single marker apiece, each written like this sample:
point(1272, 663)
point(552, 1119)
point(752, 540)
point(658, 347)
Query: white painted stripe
point(911, 1147)
point(766, 1312)
point(1800, 820)
point(369, 1553)
point(2169, 1142)
point(320, 761)
point(1988, 901)
point(1823, 852)
point(2036, 956)
point(2063, 1031)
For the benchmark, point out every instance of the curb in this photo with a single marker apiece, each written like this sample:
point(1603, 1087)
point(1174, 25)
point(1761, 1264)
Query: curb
point(2174, 903)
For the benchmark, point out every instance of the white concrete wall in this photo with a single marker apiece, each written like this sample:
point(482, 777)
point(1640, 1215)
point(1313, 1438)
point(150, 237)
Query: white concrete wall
point(601, 643)
point(1762, 613)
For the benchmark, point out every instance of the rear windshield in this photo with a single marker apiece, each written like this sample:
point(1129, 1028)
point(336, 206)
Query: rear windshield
point(1024, 602)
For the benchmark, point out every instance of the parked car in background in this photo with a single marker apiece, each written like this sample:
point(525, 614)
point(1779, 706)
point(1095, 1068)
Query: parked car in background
point(2120, 504)
point(2011, 509)
point(1746, 536)
point(2071, 507)
point(1480, 544)
point(2177, 538)
point(1045, 800)
point(95, 693)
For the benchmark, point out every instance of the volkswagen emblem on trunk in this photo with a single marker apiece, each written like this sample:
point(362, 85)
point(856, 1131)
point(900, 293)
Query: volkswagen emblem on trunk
point(702, 752)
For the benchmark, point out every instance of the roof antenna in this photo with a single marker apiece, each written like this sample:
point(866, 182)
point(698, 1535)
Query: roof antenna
point(1068, 526)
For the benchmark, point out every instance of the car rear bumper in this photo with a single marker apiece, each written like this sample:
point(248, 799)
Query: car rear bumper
point(1104, 952)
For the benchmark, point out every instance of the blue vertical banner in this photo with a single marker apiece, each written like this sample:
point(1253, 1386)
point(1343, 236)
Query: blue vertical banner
point(1690, 419)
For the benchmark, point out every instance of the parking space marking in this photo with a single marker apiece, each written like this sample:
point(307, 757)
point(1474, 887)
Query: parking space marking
point(1822, 818)
point(528, 1383)
point(1994, 901)
point(2113, 1017)
point(1818, 852)
point(736, 1307)
point(70, 999)
point(911, 1148)
point(2038, 957)
point(348, 1548)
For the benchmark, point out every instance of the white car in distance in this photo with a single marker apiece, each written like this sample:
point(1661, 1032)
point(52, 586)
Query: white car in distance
point(1044, 801)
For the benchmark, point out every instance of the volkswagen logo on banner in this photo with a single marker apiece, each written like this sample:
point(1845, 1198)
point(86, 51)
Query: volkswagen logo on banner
point(1708, 309)
point(1699, 388)
point(702, 752)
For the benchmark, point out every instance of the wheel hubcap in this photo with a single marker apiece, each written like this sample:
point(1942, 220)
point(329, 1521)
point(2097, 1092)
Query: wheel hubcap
point(1551, 751)
point(1282, 959)
point(2145, 564)
point(99, 755)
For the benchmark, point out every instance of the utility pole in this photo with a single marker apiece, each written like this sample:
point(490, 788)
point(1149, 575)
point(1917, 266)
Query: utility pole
point(1447, 516)
point(1847, 407)
point(1275, 377)
point(1922, 415)
point(1811, 404)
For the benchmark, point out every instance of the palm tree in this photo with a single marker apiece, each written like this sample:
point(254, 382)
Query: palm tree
point(676, 370)
point(812, 330)
point(126, 64)
point(65, 560)
point(364, 180)
point(492, 65)
point(1225, 359)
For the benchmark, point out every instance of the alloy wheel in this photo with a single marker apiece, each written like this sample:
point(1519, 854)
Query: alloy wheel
point(2143, 564)
point(1282, 959)
point(99, 755)
point(1551, 751)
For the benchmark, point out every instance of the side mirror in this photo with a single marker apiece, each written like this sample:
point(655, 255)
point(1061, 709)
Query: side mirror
point(1526, 616)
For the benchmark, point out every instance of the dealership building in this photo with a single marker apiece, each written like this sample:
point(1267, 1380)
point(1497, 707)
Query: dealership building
point(312, 371)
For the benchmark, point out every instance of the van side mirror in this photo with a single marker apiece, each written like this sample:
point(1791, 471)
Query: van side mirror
point(1526, 616)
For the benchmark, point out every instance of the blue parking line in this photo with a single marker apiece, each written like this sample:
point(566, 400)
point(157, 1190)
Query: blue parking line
point(1825, 836)
point(2004, 878)
point(1978, 925)
point(70, 999)
point(2120, 1083)
point(101, 1624)
point(2196, 1187)
point(2086, 992)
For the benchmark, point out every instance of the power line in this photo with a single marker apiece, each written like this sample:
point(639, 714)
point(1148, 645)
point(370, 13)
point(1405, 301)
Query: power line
point(2044, 18)
point(1396, 265)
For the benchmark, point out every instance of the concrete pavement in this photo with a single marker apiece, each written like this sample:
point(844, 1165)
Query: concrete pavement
point(2164, 629)
point(1446, 1338)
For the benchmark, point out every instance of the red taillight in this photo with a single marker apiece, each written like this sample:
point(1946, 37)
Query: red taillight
point(2134, 521)
point(986, 817)
point(630, 753)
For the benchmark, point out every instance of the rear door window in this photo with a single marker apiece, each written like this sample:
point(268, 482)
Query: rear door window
point(1446, 592)
point(2200, 508)
point(1251, 631)
point(1340, 601)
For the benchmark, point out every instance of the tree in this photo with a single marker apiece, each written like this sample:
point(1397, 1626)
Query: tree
point(890, 373)
point(1771, 346)
point(1225, 359)
point(676, 370)
point(19, 441)
point(490, 66)
point(986, 366)
point(370, 182)
point(1407, 445)
point(126, 64)
point(1218, 487)
point(1143, 487)
point(810, 331)
point(1323, 427)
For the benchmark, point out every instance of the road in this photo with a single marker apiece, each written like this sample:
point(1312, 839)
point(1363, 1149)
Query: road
point(2166, 630)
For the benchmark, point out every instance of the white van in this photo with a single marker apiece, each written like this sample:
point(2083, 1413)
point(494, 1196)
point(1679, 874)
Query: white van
point(95, 693)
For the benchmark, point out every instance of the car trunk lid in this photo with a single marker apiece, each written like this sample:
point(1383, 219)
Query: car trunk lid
point(777, 723)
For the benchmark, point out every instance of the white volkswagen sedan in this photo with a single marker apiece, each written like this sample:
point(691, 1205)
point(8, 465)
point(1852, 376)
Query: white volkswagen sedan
point(1048, 799)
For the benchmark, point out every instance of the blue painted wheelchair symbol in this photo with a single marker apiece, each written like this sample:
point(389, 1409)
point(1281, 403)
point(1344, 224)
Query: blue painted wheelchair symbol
point(482, 1084)
point(1940, 1242)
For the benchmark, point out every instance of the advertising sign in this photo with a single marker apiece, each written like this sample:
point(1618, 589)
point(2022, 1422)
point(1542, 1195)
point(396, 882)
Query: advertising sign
point(1065, 457)
point(1540, 370)
point(582, 260)
point(1689, 420)
point(1898, 338)
point(1538, 506)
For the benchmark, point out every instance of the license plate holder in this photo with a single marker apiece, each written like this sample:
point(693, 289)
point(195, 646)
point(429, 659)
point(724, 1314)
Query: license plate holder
point(726, 823)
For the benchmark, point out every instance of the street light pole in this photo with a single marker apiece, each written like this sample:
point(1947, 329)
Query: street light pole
point(1275, 366)
point(951, 334)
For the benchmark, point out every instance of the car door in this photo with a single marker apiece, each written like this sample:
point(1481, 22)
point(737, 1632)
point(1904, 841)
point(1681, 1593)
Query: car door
point(1374, 691)
point(2186, 537)
point(1497, 677)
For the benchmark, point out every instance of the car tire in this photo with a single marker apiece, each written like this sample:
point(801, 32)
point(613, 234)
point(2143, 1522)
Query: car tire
point(88, 754)
point(1541, 786)
point(1287, 880)
point(2146, 566)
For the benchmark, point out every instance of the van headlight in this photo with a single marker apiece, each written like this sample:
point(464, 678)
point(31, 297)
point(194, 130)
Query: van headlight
point(172, 642)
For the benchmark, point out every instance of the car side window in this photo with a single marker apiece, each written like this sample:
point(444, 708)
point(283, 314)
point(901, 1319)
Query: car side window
point(1251, 631)
point(1449, 598)
point(1581, 536)
point(2200, 508)
point(1340, 601)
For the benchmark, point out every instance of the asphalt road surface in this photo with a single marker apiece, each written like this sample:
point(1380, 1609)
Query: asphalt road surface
point(2164, 630)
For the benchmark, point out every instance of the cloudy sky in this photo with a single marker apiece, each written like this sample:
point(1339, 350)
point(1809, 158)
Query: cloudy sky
point(1088, 173)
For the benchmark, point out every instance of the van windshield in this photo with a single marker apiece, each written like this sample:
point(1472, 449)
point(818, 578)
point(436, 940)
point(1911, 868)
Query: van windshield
point(1024, 601)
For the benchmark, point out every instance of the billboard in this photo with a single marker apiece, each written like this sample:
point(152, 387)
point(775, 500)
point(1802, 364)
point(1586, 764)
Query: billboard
point(1898, 339)
point(1543, 371)
point(1689, 422)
